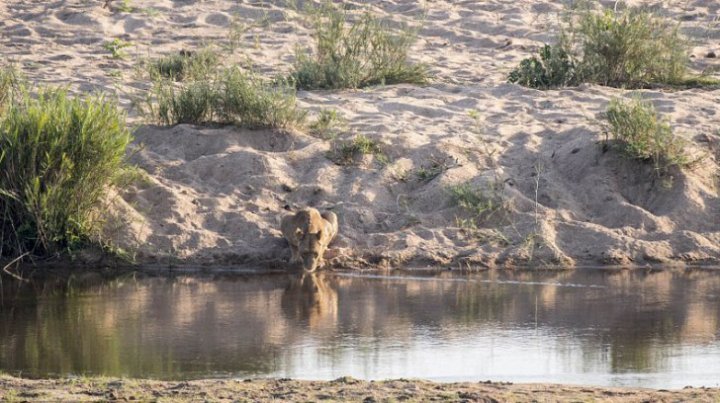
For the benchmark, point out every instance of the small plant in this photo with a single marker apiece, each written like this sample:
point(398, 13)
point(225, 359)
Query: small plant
point(348, 152)
point(554, 68)
point(232, 96)
point(328, 124)
point(116, 48)
point(125, 6)
point(366, 53)
point(643, 135)
point(9, 85)
point(434, 168)
point(480, 202)
point(185, 65)
point(58, 154)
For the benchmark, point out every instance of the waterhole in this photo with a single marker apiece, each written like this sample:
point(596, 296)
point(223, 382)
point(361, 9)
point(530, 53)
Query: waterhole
point(596, 327)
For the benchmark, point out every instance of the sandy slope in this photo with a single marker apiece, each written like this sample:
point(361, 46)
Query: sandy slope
point(214, 194)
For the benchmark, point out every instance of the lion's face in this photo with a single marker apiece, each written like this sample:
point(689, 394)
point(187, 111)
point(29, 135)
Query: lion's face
point(311, 250)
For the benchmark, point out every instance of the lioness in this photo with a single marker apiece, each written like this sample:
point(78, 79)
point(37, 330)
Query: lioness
point(309, 233)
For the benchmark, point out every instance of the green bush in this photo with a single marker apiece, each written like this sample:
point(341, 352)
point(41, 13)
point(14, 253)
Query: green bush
point(630, 49)
point(641, 134)
point(231, 96)
point(554, 68)
point(58, 154)
point(9, 85)
point(366, 53)
point(185, 65)
point(480, 202)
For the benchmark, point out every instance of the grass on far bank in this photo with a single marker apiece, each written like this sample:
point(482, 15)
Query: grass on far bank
point(356, 55)
point(632, 48)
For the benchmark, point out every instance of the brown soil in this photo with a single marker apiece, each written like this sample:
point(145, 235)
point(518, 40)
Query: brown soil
point(342, 389)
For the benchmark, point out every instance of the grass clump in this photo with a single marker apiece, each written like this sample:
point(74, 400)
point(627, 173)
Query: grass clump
point(642, 134)
point(328, 124)
point(185, 65)
point(347, 153)
point(630, 49)
point(58, 154)
point(476, 200)
point(367, 52)
point(9, 85)
point(230, 96)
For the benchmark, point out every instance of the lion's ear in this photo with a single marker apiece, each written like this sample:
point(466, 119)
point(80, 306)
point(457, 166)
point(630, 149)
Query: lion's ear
point(298, 233)
point(319, 235)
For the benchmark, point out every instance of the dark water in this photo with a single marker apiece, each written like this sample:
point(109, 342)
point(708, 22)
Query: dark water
point(622, 328)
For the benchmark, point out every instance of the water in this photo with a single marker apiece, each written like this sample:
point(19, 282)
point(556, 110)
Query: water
point(613, 328)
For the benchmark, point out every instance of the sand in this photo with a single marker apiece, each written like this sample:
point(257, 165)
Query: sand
point(213, 196)
point(341, 390)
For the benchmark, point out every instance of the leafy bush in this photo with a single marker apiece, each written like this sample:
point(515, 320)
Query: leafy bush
point(185, 65)
point(643, 135)
point(116, 47)
point(364, 54)
point(554, 68)
point(630, 48)
point(58, 154)
point(230, 96)
point(328, 124)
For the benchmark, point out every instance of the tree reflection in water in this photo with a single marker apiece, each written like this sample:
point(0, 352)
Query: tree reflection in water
point(326, 325)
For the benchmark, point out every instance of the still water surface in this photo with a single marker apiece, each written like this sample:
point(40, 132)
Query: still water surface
point(619, 328)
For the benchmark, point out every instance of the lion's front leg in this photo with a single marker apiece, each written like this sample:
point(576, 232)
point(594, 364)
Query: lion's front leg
point(295, 254)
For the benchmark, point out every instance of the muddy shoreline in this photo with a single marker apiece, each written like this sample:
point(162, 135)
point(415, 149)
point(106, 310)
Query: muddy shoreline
point(342, 389)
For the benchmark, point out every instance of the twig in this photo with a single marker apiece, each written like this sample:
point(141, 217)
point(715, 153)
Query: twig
point(6, 269)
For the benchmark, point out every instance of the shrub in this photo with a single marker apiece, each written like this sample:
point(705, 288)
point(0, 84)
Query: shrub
point(366, 53)
point(9, 85)
point(642, 135)
point(185, 65)
point(58, 154)
point(554, 68)
point(229, 96)
point(631, 49)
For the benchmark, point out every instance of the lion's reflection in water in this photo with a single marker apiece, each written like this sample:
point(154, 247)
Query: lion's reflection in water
point(310, 298)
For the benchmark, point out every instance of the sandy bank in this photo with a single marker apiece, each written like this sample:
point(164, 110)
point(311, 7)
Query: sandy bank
point(343, 389)
point(212, 196)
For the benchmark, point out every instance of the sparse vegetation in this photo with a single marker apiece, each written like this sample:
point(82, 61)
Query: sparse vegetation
point(185, 65)
point(642, 134)
point(9, 85)
point(328, 124)
point(230, 96)
point(481, 202)
point(631, 49)
point(348, 152)
point(58, 154)
point(116, 47)
point(368, 52)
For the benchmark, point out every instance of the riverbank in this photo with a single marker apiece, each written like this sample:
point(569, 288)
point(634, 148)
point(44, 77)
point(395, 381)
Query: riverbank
point(343, 389)
point(466, 171)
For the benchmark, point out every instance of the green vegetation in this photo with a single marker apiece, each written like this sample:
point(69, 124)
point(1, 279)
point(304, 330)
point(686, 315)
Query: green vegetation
point(9, 85)
point(642, 134)
point(479, 201)
point(630, 49)
point(328, 124)
point(366, 53)
point(185, 65)
point(348, 152)
point(230, 96)
point(58, 154)
point(554, 68)
point(117, 48)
